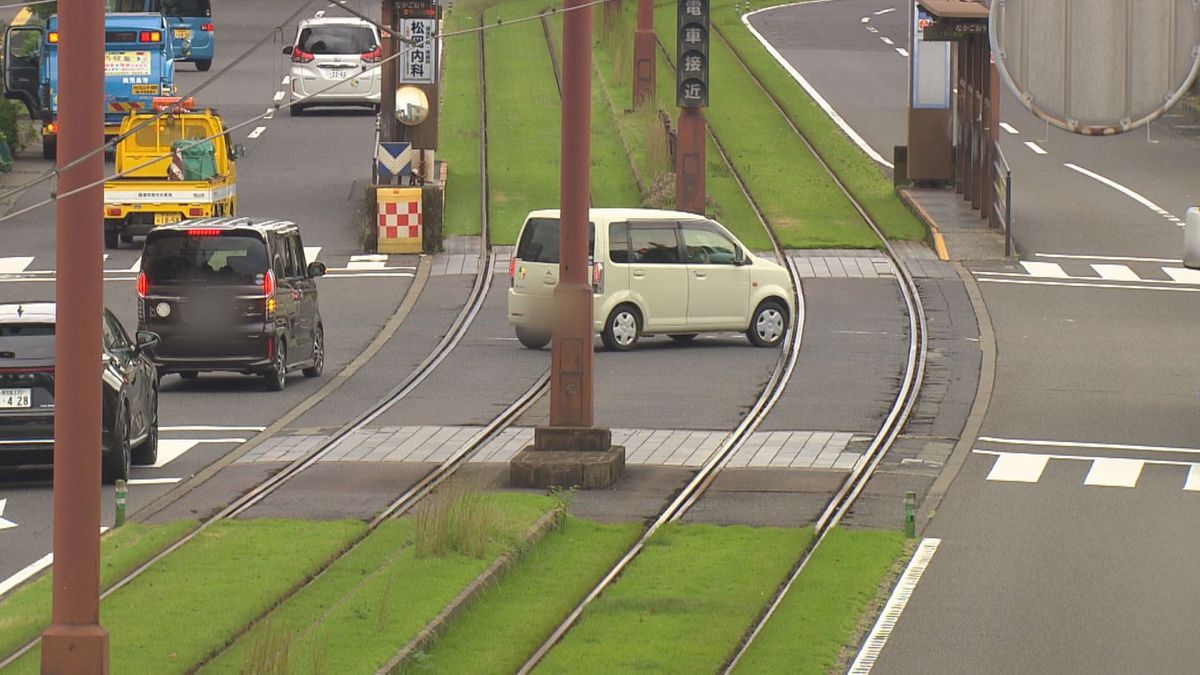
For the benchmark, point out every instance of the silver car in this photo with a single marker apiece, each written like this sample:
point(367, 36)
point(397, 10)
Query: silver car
point(332, 62)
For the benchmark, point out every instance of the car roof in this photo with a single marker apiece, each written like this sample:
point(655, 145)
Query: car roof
point(27, 312)
point(232, 224)
point(335, 21)
point(623, 213)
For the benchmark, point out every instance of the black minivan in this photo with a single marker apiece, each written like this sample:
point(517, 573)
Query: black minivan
point(231, 295)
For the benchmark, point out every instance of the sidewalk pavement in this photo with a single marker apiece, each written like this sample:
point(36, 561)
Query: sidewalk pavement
point(958, 231)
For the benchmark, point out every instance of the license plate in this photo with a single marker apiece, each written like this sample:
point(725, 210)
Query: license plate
point(15, 398)
point(183, 33)
point(167, 218)
point(145, 89)
point(339, 73)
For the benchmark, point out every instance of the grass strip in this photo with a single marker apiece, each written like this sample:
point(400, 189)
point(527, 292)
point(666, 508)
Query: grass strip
point(197, 598)
point(370, 603)
point(821, 614)
point(25, 612)
point(797, 195)
point(458, 122)
point(683, 605)
point(540, 591)
point(862, 176)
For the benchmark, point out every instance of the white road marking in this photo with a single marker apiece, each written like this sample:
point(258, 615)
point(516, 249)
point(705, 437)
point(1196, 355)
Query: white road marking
point(1088, 445)
point(367, 262)
point(1035, 147)
point(279, 96)
point(269, 114)
point(136, 267)
point(4, 522)
point(170, 449)
point(311, 253)
point(866, 19)
point(1124, 190)
point(286, 80)
point(29, 570)
point(814, 94)
point(889, 10)
point(206, 427)
point(1114, 472)
point(1041, 269)
point(902, 52)
point(258, 131)
point(1078, 284)
point(1193, 479)
point(14, 265)
point(886, 40)
point(153, 481)
point(351, 275)
point(886, 624)
point(873, 29)
point(1116, 272)
point(1018, 467)
point(1069, 256)
point(1009, 128)
point(1183, 275)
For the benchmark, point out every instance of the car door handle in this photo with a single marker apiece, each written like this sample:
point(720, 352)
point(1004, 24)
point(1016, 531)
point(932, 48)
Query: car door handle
point(699, 274)
point(638, 274)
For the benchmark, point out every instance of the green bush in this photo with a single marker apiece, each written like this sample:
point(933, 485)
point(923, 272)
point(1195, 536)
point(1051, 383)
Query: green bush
point(10, 112)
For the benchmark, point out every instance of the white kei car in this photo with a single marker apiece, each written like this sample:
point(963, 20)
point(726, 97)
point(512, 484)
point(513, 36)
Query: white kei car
point(332, 58)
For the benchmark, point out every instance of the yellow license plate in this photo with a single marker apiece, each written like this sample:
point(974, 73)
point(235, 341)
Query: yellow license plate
point(145, 89)
point(183, 33)
point(167, 218)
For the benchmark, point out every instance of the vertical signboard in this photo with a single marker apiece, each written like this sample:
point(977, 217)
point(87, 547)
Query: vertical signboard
point(691, 63)
point(931, 65)
point(418, 60)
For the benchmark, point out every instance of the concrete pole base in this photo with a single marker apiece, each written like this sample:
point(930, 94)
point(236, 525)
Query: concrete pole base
point(75, 650)
point(568, 457)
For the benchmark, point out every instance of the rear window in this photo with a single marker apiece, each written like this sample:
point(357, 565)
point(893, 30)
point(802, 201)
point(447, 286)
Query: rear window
point(539, 241)
point(227, 259)
point(334, 39)
point(185, 7)
point(26, 341)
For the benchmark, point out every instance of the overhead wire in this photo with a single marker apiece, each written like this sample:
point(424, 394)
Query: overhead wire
point(272, 110)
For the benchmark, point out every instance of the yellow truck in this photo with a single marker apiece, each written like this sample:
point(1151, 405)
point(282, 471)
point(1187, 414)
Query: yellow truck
point(179, 166)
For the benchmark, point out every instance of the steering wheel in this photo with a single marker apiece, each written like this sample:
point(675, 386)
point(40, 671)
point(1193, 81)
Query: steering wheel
point(703, 256)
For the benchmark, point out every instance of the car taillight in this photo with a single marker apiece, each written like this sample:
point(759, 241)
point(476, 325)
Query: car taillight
point(373, 56)
point(143, 286)
point(301, 56)
point(150, 36)
point(268, 285)
point(203, 232)
point(598, 277)
point(195, 211)
point(206, 27)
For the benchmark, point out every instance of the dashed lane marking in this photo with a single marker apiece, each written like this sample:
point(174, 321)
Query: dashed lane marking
point(1018, 467)
point(170, 449)
point(1041, 269)
point(1009, 128)
point(208, 427)
point(889, 10)
point(258, 131)
point(1124, 258)
point(1114, 472)
point(886, 40)
point(1115, 272)
point(1037, 149)
point(14, 265)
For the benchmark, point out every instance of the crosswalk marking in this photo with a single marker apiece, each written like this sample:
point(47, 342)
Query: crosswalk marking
point(1193, 479)
point(1116, 273)
point(1114, 472)
point(1018, 467)
point(137, 265)
point(16, 269)
point(14, 265)
point(1183, 275)
point(311, 253)
point(367, 262)
point(1044, 269)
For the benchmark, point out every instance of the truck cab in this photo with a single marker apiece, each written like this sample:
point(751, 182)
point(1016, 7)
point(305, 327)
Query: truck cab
point(139, 65)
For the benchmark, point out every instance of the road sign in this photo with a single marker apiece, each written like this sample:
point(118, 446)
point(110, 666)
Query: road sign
point(393, 159)
point(691, 62)
point(1096, 67)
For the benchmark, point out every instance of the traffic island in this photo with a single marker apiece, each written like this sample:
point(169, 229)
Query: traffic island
point(568, 457)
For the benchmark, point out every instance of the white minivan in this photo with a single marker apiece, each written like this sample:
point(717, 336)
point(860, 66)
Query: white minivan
point(653, 272)
point(334, 62)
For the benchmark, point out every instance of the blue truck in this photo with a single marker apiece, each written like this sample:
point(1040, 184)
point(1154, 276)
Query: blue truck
point(191, 23)
point(139, 65)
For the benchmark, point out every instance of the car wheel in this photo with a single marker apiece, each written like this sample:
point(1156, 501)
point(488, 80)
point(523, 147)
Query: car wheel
point(768, 325)
point(189, 374)
point(683, 337)
point(112, 239)
point(147, 452)
point(295, 110)
point(50, 148)
point(318, 357)
point(126, 238)
point(204, 65)
point(116, 464)
point(533, 339)
point(622, 329)
point(276, 377)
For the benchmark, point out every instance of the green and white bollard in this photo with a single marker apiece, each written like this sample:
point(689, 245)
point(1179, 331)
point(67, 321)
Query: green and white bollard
point(910, 520)
point(121, 491)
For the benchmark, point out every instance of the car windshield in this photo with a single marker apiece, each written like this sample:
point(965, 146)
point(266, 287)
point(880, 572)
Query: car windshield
point(335, 39)
point(225, 259)
point(26, 341)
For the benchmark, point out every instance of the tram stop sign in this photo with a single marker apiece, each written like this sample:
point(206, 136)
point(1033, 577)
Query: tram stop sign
point(1096, 67)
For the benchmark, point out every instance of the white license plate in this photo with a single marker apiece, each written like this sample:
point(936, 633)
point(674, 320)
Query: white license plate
point(338, 73)
point(15, 398)
point(182, 33)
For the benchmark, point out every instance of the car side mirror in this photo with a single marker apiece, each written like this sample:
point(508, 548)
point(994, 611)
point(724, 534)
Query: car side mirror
point(287, 50)
point(146, 339)
point(739, 258)
point(239, 151)
point(316, 269)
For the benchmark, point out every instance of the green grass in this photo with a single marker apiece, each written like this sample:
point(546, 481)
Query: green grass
point(862, 176)
point(683, 604)
point(25, 612)
point(821, 613)
point(540, 592)
point(195, 599)
point(458, 124)
point(373, 601)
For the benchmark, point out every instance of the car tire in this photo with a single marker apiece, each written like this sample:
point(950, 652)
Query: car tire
point(533, 339)
point(50, 148)
point(318, 360)
point(146, 452)
point(295, 110)
point(683, 337)
point(188, 374)
point(204, 65)
point(112, 239)
point(116, 463)
point(126, 238)
point(622, 329)
point(276, 377)
point(768, 325)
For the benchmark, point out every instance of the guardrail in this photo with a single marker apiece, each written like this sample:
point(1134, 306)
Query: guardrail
point(1001, 215)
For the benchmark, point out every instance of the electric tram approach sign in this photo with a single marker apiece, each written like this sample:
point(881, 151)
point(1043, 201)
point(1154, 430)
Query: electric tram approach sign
point(691, 62)
point(417, 9)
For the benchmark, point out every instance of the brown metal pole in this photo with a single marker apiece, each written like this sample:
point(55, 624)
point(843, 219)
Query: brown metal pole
point(387, 97)
point(75, 642)
point(571, 351)
point(643, 55)
point(689, 161)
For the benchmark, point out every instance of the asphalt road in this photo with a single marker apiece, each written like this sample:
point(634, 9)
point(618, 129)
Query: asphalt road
point(1068, 572)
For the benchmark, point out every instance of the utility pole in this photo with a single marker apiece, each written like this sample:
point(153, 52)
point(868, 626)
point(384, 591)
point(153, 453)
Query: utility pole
point(75, 643)
point(643, 55)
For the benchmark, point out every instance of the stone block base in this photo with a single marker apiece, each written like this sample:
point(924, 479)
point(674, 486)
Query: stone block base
point(533, 468)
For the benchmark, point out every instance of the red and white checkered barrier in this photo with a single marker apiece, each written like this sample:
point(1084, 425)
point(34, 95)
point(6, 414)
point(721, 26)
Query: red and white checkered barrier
point(400, 220)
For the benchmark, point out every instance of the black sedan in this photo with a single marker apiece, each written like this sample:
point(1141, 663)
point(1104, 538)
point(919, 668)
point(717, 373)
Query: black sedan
point(130, 392)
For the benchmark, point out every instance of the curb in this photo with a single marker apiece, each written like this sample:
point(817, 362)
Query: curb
point(431, 631)
point(939, 243)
